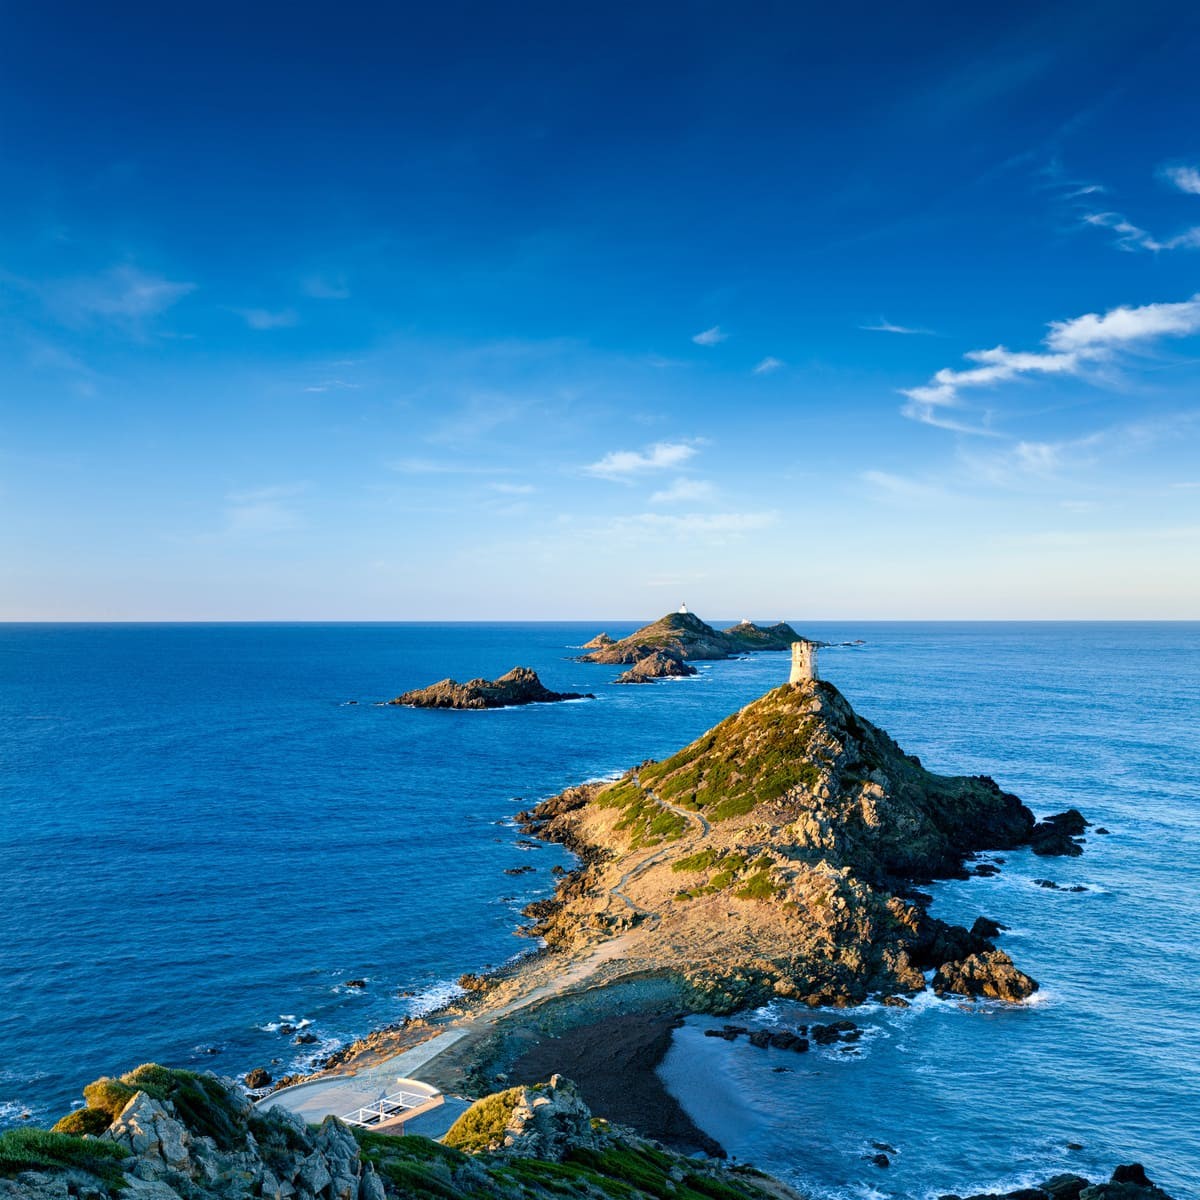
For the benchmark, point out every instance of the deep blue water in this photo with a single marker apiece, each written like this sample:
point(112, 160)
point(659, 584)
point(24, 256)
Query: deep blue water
point(199, 837)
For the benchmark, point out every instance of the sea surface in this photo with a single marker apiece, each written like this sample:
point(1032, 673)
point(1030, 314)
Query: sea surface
point(201, 839)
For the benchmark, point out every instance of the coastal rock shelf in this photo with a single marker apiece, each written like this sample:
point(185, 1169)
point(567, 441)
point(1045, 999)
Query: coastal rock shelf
point(518, 686)
point(777, 856)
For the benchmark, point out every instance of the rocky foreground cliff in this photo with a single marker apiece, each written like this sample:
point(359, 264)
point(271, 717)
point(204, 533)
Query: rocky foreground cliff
point(158, 1134)
point(777, 855)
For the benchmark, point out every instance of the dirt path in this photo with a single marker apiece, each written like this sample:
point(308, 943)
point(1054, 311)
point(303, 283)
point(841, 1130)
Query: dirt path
point(671, 849)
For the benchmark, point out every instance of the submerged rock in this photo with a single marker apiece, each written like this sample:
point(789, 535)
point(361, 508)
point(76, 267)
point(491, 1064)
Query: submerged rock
point(518, 686)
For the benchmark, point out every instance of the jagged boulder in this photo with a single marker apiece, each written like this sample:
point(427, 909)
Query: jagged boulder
point(543, 1122)
point(990, 974)
point(151, 1132)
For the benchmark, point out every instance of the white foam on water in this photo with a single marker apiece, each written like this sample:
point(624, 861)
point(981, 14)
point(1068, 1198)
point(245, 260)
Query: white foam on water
point(434, 997)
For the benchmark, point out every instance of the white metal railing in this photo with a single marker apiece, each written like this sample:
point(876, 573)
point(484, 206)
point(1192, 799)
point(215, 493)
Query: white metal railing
point(385, 1108)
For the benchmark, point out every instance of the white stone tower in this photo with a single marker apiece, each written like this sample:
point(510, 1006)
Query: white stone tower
point(804, 662)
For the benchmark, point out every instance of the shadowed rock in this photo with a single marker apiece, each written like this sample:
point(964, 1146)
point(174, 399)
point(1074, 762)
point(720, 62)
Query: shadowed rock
point(519, 686)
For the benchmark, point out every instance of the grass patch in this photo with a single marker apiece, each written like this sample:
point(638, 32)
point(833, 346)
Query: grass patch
point(44, 1150)
point(760, 886)
point(481, 1128)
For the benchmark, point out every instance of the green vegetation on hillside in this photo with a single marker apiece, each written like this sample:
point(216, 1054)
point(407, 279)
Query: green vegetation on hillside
point(752, 757)
point(44, 1150)
point(646, 821)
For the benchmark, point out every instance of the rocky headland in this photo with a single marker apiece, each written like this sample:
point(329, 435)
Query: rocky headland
point(778, 855)
point(680, 636)
point(518, 686)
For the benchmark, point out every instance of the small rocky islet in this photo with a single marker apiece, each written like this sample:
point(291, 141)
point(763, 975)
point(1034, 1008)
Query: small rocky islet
point(661, 650)
point(519, 686)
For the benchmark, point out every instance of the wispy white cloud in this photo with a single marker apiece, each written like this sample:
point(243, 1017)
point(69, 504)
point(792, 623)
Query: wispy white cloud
point(1120, 326)
point(441, 466)
point(1185, 178)
point(1073, 347)
point(123, 295)
point(684, 491)
point(262, 510)
point(767, 365)
point(323, 287)
point(901, 487)
point(1133, 238)
point(622, 464)
point(264, 318)
point(719, 526)
point(710, 337)
point(329, 385)
point(886, 326)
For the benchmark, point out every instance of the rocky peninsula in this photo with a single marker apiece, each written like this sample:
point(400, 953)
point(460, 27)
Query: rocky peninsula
point(518, 686)
point(778, 855)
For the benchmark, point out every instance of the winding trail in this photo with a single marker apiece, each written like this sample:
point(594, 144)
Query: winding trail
point(669, 850)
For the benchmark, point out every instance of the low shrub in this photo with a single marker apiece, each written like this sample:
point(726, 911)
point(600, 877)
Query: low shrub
point(83, 1120)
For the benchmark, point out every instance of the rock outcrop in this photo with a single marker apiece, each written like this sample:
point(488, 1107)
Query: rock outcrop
point(658, 664)
point(545, 1121)
point(1128, 1182)
point(777, 855)
point(988, 974)
point(518, 686)
point(182, 1136)
point(686, 636)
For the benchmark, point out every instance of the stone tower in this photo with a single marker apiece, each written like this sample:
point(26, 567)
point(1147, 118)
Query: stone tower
point(804, 662)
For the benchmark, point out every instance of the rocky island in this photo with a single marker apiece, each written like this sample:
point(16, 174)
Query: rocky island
point(518, 686)
point(661, 649)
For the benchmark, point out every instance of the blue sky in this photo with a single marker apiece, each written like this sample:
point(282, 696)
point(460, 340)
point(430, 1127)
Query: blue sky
point(555, 311)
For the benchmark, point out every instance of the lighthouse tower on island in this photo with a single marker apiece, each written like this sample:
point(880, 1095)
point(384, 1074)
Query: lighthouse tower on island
point(804, 661)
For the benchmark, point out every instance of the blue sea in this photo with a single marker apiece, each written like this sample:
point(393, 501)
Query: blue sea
point(201, 839)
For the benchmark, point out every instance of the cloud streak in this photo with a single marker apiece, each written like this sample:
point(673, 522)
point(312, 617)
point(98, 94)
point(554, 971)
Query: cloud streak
point(124, 295)
point(684, 491)
point(768, 365)
point(886, 326)
point(1133, 238)
point(624, 464)
point(264, 318)
point(710, 337)
point(1185, 178)
point(1071, 347)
